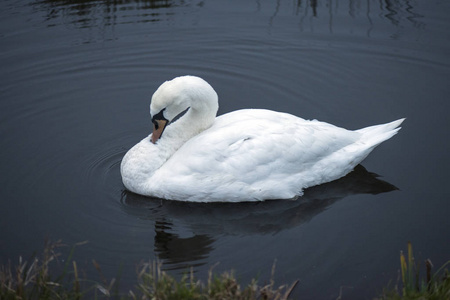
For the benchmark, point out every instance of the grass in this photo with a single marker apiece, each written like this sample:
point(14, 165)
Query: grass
point(153, 283)
point(414, 286)
point(34, 280)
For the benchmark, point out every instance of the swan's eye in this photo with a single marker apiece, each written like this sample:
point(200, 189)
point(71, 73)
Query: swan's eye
point(155, 123)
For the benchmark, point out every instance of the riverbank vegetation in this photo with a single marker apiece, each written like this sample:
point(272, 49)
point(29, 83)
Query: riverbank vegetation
point(34, 279)
point(414, 285)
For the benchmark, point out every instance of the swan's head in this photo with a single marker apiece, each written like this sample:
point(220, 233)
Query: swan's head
point(181, 96)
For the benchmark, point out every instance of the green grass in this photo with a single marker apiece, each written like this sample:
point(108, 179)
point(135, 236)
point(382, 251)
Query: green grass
point(414, 286)
point(34, 279)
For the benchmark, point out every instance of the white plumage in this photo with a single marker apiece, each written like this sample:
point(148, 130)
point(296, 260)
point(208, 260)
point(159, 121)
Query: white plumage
point(245, 155)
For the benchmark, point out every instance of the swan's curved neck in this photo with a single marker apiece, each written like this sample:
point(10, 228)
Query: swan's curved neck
point(143, 160)
point(193, 122)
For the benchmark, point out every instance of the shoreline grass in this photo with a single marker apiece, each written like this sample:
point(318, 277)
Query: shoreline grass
point(432, 286)
point(34, 279)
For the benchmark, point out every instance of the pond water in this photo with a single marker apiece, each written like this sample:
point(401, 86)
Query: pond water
point(76, 81)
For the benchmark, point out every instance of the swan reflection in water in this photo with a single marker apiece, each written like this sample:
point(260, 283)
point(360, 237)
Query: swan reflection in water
point(206, 221)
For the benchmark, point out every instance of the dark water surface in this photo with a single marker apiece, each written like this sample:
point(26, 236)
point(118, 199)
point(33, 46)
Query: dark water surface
point(76, 80)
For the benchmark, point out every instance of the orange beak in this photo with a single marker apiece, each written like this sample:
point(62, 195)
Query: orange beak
point(158, 129)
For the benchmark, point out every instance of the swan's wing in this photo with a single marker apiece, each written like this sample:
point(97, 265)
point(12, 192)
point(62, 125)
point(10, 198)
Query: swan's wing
point(251, 149)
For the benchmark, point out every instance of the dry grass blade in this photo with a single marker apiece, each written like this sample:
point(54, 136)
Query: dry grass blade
point(289, 290)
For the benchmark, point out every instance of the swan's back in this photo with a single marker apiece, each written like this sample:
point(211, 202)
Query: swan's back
point(260, 154)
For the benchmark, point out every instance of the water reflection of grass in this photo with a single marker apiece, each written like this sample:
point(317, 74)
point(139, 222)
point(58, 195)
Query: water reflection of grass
point(34, 280)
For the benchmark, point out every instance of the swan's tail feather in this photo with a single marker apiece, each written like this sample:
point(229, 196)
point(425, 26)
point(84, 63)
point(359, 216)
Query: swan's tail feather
point(372, 136)
point(383, 127)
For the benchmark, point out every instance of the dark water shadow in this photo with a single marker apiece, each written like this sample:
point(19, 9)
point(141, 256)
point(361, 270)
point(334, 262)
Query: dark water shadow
point(207, 221)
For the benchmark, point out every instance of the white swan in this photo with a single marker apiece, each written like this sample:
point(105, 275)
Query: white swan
point(245, 155)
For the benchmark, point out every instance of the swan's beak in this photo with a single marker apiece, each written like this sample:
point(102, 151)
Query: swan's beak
point(158, 129)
